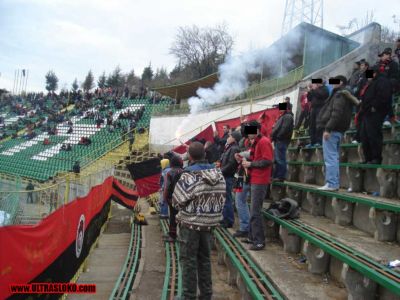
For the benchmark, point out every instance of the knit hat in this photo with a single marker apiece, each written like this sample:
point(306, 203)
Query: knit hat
point(164, 163)
point(236, 135)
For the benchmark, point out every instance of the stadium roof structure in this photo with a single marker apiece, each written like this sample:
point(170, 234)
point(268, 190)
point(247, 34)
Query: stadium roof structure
point(188, 89)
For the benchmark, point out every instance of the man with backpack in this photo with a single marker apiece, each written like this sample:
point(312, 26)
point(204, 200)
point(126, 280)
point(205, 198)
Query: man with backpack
point(199, 197)
point(171, 178)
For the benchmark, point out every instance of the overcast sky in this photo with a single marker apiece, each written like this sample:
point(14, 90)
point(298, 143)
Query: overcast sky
point(73, 36)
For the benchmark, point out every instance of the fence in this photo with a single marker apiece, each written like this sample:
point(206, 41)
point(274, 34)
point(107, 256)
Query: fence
point(21, 206)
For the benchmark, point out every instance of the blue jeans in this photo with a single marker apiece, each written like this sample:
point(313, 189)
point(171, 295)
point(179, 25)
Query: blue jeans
point(280, 166)
point(243, 208)
point(228, 213)
point(331, 159)
point(163, 206)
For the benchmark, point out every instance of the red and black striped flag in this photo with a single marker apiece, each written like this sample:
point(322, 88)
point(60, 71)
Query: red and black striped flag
point(146, 175)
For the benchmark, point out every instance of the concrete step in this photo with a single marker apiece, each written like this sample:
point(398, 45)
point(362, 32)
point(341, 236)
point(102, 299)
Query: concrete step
point(106, 261)
point(328, 260)
point(376, 216)
point(291, 276)
point(382, 252)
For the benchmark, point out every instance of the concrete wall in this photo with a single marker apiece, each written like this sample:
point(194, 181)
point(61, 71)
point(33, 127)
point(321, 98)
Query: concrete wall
point(163, 128)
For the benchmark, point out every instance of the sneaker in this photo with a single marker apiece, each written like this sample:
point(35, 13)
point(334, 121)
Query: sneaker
point(257, 247)
point(354, 142)
point(246, 241)
point(225, 224)
point(326, 187)
point(374, 162)
point(240, 234)
point(387, 124)
point(278, 179)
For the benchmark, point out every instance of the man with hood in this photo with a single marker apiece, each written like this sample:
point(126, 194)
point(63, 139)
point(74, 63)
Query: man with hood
point(334, 120)
point(281, 136)
point(375, 105)
point(229, 166)
point(199, 196)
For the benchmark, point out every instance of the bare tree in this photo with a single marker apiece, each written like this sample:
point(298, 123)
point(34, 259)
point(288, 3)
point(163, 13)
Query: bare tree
point(202, 49)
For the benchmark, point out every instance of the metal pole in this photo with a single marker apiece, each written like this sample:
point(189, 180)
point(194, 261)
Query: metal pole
point(16, 85)
point(26, 80)
point(15, 78)
point(322, 13)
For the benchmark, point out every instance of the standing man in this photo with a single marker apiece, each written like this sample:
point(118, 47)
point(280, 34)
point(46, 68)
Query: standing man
point(131, 137)
point(281, 136)
point(317, 94)
point(199, 196)
point(259, 168)
point(389, 68)
point(375, 105)
point(334, 120)
point(171, 178)
point(30, 187)
point(305, 112)
point(397, 50)
point(229, 166)
point(221, 141)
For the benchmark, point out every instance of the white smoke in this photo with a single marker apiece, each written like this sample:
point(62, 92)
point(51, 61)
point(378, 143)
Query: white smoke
point(234, 73)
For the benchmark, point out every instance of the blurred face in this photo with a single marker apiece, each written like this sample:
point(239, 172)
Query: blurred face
point(225, 128)
point(230, 140)
point(385, 57)
point(363, 67)
point(356, 66)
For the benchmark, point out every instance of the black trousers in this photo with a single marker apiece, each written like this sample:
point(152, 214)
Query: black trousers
point(172, 221)
point(315, 133)
point(304, 116)
point(371, 136)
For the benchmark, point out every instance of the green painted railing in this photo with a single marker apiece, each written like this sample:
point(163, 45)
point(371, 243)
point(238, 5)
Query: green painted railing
point(318, 239)
point(271, 86)
point(351, 165)
point(166, 288)
point(252, 288)
point(131, 272)
point(339, 195)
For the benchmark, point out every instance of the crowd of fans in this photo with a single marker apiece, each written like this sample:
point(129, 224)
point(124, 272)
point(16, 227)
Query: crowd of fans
point(248, 158)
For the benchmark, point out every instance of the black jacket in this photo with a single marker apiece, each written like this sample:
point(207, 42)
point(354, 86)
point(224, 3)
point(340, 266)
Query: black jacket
point(229, 164)
point(221, 142)
point(212, 153)
point(283, 128)
point(318, 97)
point(336, 114)
point(378, 95)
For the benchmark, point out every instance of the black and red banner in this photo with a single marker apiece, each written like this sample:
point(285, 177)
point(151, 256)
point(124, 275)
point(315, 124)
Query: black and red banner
point(207, 134)
point(268, 118)
point(123, 195)
point(54, 249)
point(146, 175)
